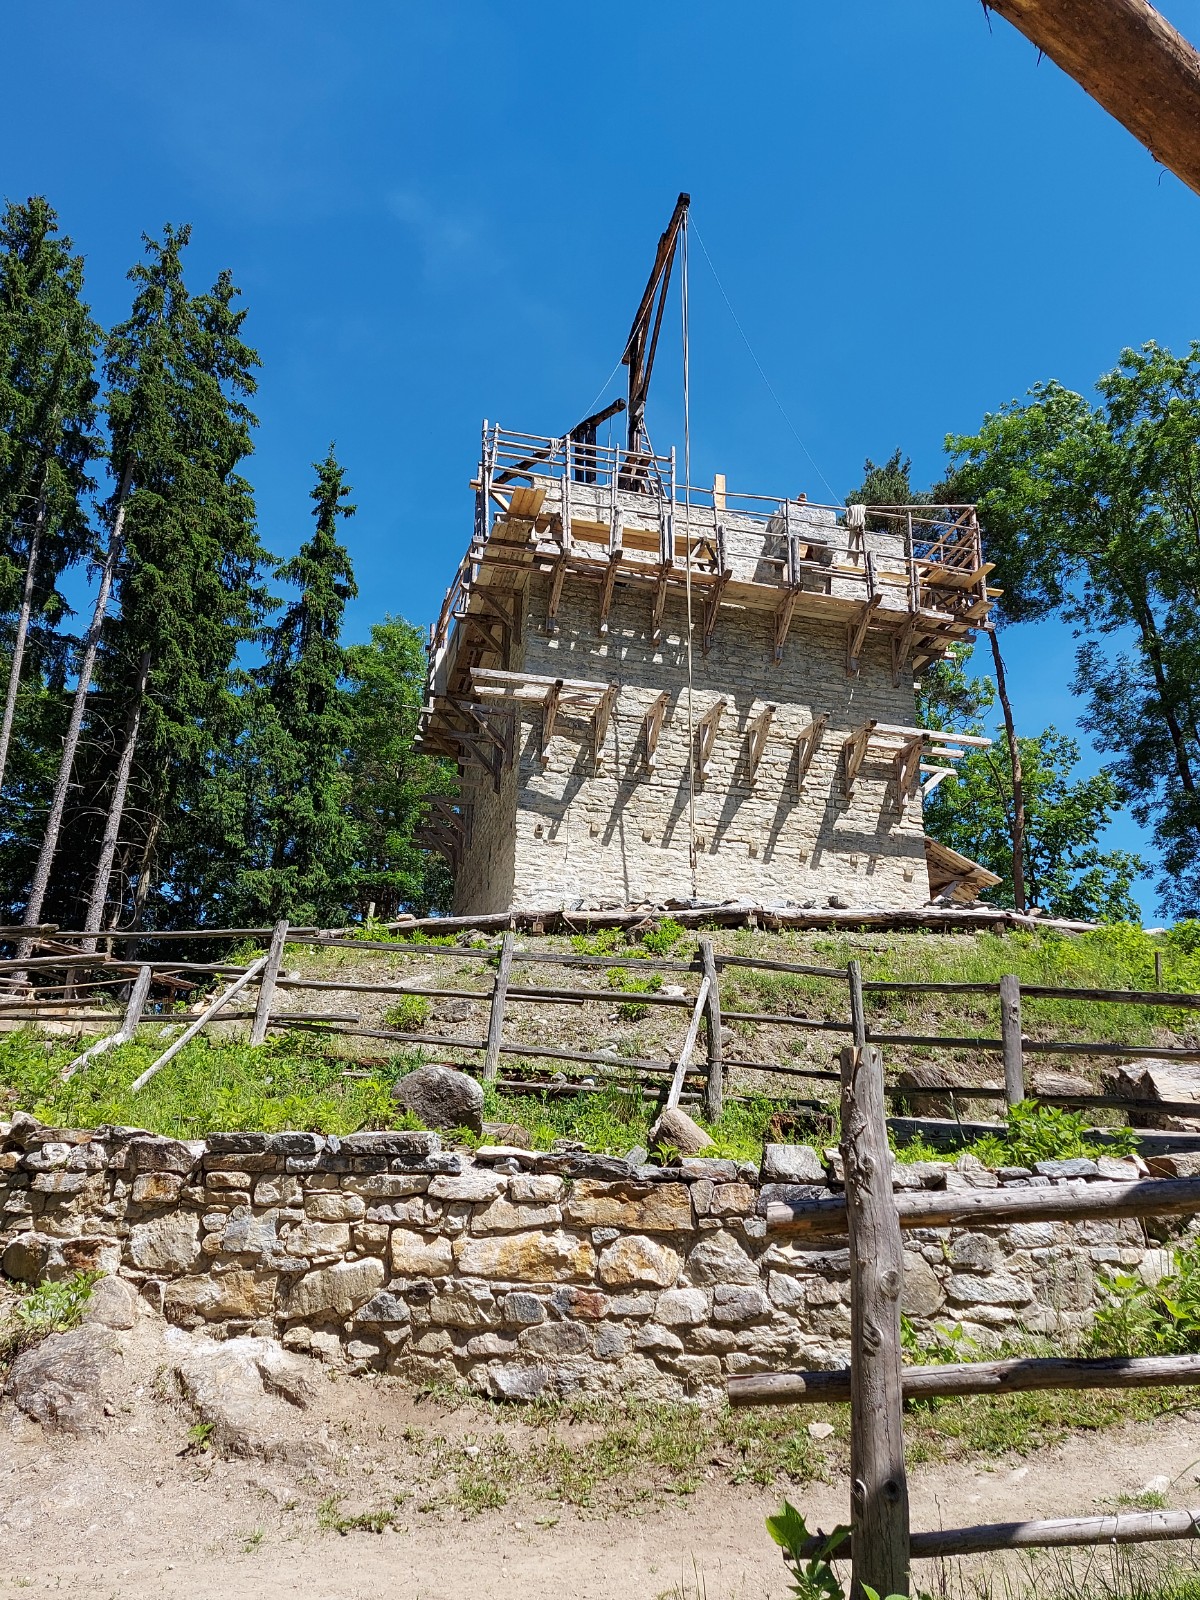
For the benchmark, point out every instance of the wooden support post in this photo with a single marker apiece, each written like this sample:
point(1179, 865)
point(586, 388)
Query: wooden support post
point(706, 738)
point(549, 716)
point(125, 1033)
point(652, 726)
point(806, 748)
point(202, 1021)
point(854, 750)
point(714, 1099)
point(495, 1037)
point(878, 1484)
point(856, 633)
point(757, 741)
point(266, 986)
point(1010, 1035)
point(689, 1044)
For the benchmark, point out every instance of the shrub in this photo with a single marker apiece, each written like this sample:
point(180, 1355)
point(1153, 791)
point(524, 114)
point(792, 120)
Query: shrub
point(1151, 1319)
point(50, 1308)
point(663, 938)
point(619, 978)
point(1036, 1133)
point(408, 1014)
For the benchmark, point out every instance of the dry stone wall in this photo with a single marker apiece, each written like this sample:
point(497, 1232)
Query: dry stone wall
point(618, 835)
point(516, 1273)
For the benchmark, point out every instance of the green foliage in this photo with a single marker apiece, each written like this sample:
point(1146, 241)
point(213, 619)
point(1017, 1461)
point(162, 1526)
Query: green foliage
point(814, 1578)
point(48, 1308)
point(663, 937)
point(1035, 1132)
point(408, 1014)
point(620, 978)
point(1066, 872)
point(1138, 1318)
point(1089, 511)
point(604, 942)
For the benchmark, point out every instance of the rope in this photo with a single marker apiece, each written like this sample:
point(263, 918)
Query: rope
point(834, 498)
point(687, 544)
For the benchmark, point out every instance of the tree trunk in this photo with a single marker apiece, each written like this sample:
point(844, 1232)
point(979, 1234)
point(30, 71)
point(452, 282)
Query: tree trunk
point(116, 808)
point(141, 892)
point(14, 675)
point(1018, 781)
point(41, 873)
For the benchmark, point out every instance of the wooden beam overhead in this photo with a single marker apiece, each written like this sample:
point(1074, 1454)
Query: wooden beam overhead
point(1132, 61)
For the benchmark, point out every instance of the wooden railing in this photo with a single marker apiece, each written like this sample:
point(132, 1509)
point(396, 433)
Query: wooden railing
point(881, 1545)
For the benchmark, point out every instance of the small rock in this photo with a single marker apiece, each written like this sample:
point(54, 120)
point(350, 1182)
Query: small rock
point(442, 1097)
point(820, 1430)
point(1077, 1167)
point(112, 1304)
point(60, 1382)
point(792, 1163)
point(508, 1133)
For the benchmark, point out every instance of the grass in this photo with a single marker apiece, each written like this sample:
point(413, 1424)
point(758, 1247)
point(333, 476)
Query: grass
point(408, 1015)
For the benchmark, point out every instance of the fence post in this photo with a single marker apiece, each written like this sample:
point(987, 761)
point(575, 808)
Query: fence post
point(491, 1062)
point(137, 1000)
point(266, 987)
point(878, 1483)
point(1010, 1038)
point(714, 1100)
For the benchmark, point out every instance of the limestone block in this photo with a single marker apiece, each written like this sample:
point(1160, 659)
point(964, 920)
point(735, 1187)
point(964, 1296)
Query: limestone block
point(525, 1258)
point(739, 1303)
point(501, 1216)
point(318, 1239)
point(475, 1185)
point(733, 1200)
point(975, 1252)
point(555, 1339)
point(635, 1260)
point(523, 1310)
point(237, 1294)
point(464, 1306)
point(681, 1307)
point(663, 1208)
point(992, 1289)
point(170, 1243)
point(340, 1288)
point(536, 1189)
point(1065, 1281)
point(720, 1259)
point(246, 1234)
point(334, 1205)
point(611, 1342)
point(792, 1163)
point(156, 1188)
point(786, 1292)
point(922, 1295)
point(416, 1257)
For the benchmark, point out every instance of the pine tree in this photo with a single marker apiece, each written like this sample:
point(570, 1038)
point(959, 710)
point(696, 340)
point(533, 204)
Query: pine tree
point(304, 724)
point(178, 375)
point(47, 437)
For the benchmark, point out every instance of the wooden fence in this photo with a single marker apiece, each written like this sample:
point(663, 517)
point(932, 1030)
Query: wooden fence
point(87, 971)
point(881, 1545)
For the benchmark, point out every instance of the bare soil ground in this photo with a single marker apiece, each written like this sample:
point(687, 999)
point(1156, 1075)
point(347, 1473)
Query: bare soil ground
point(139, 1509)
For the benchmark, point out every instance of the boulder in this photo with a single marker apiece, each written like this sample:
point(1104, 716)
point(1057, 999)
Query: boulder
point(792, 1163)
point(61, 1382)
point(237, 1386)
point(1151, 1079)
point(677, 1129)
point(442, 1097)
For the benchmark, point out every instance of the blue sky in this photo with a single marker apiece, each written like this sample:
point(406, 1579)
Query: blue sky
point(441, 213)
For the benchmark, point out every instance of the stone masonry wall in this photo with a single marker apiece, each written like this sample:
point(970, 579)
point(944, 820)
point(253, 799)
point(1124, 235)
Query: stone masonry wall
point(622, 835)
point(516, 1273)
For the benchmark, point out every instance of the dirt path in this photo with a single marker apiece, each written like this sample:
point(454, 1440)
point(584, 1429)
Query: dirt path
point(127, 1514)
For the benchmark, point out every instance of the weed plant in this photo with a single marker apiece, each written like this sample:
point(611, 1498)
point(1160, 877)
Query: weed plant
point(26, 1317)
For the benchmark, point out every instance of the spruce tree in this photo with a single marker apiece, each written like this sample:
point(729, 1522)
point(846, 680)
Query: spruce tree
point(304, 723)
point(47, 433)
point(178, 376)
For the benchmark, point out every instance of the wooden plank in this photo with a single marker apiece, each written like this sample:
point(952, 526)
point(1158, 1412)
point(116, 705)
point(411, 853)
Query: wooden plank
point(879, 1484)
point(807, 741)
point(689, 1044)
point(266, 986)
point(973, 1377)
point(202, 1021)
point(1125, 1527)
point(714, 1099)
point(496, 1014)
point(125, 1033)
point(651, 728)
point(756, 735)
point(938, 1208)
point(763, 964)
point(1010, 1037)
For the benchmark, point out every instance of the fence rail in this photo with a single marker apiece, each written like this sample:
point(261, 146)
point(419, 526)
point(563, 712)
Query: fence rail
point(47, 999)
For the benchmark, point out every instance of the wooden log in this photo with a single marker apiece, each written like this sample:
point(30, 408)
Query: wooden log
point(689, 1044)
point(266, 984)
point(149, 935)
point(878, 1483)
point(1124, 1527)
point(814, 1024)
point(1010, 1039)
point(714, 1096)
point(496, 1015)
point(460, 951)
point(202, 1021)
point(973, 1377)
point(786, 966)
point(943, 1208)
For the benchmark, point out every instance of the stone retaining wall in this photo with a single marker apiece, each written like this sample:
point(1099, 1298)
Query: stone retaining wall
point(514, 1272)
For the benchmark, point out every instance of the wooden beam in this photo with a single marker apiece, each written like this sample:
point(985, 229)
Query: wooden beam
point(660, 601)
point(878, 1482)
point(714, 1098)
point(782, 622)
point(126, 1033)
point(712, 607)
point(935, 775)
point(1010, 1034)
point(600, 720)
point(1013, 1376)
point(556, 587)
point(1125, 1527)
point(854, 750)
point(549, 716)
point(651, 728)
point(202, 1021)
point(902, 643)
point(706, 737)
point(938, 1208)
point(266, 984)
point(906, 768)
point(756, 736)
point(689, 1044)
point(856, 633)
point(1130, 59)
point(606, 588)
point(495, 1038)
point(807, 741)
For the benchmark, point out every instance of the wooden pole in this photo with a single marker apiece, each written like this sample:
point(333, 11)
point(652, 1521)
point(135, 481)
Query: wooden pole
point(944, 1208)
point(202, 1021)
point(125, 1033)
point(878, 1485)
point(1010, 1039)
point(266, 987)
point(495, 1037)
point(689, 1044)
point(973, 1377)
point(1125, 1527)
point(714, 1099)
